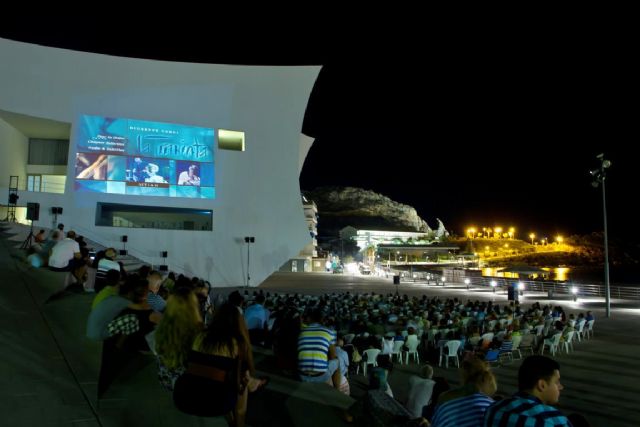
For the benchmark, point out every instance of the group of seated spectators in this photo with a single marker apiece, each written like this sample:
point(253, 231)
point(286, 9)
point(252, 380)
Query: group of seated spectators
point(60, 253)
point(199, 338)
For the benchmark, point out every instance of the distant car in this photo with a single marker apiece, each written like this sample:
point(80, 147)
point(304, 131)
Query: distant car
point(365, 270)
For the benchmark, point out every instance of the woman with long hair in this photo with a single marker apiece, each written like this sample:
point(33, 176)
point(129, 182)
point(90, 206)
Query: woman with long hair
point(219, 370)
point(175, 334)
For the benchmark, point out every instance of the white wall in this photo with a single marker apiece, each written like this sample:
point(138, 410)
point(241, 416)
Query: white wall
point(257, 191)
point(14, 149)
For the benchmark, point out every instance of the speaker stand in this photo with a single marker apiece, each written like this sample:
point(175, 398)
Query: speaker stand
point(27, 242)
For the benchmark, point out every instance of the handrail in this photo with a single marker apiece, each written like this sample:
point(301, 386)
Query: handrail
point(556, 287)
point(550, 287)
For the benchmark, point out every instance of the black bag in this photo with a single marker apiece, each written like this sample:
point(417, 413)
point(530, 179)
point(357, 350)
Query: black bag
point(209, 387)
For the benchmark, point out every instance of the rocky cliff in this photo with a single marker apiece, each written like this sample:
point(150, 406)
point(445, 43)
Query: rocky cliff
point(339, 207)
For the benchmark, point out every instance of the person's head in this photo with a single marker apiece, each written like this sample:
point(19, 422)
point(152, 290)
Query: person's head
point(55, 235)
point(61, 226)
point(135, 288)
point(236, 298)
point(71, 234)
point(110, 253)
point(227, 327)
point(144, 271)
point(41, 232)
point(112, 278)
point(152, 168)
point(477, 372)
point(315, 315)
point(540, 376)
point(193, 170)
point(426, 371)
point(155, 280)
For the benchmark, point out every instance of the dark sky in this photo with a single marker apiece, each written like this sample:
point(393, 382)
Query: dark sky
point(480, 130)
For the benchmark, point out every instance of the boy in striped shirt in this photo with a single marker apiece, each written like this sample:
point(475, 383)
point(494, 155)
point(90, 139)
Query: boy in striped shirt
point(317, 359)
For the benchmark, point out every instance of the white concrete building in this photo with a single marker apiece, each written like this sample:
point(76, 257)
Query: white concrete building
point(257, 190)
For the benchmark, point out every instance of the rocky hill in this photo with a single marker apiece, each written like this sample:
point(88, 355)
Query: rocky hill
point(339, 207)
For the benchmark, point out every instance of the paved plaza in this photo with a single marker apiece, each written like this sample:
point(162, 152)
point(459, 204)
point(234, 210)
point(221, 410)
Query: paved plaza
point(49, 369)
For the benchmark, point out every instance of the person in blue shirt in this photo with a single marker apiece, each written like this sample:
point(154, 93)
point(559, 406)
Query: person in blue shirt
point(256, 317)
point(539, 388)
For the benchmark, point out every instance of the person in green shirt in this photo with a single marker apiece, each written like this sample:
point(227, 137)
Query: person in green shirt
point(112, 287)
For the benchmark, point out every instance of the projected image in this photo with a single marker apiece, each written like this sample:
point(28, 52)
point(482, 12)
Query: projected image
point(189, 174)
point(125, 156)
point(144, 170)
point(91, 166)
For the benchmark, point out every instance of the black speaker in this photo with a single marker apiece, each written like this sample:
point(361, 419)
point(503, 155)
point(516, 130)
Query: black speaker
point(13, 198)
point(163, 268)
point(123, 251)
point(125, 239)
point(164, 254)
point(59, 210)
point(33, 211)
point(56, 210)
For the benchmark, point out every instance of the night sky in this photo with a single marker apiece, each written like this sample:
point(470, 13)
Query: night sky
point(473, 130)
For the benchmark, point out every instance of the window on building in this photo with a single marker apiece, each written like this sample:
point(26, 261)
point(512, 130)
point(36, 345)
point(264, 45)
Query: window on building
point(48, 151)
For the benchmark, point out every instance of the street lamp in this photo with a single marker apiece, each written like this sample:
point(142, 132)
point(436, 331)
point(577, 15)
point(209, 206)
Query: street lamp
point(599, 176)
point(532, 236)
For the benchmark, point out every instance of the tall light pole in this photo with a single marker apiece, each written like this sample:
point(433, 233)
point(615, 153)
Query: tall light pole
point(248, 240)
point(599, 176)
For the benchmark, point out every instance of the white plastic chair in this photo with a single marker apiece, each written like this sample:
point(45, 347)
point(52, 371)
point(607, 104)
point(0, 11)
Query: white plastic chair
point(580, 330)
point(526, 343)
point(568, 342)
point(450, 349)
point(412, 346)
point(515, 344)
point(589, 329)
point(370, 357)
point(348, 338)
point(487, 339)
point(552, 343)
point(397, 350)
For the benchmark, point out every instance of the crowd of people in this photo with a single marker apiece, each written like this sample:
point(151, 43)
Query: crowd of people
point(203, 343)
point(203, 346)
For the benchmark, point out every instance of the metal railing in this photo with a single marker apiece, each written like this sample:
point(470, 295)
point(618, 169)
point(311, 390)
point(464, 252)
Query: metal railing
point(548, 287)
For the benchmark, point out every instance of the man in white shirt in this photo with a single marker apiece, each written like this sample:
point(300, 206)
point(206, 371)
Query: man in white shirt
point(420, 390)
point(189, 177)
point(65, 255)
point(104, 265)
